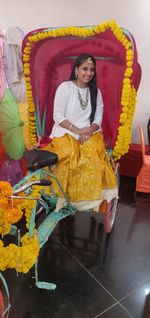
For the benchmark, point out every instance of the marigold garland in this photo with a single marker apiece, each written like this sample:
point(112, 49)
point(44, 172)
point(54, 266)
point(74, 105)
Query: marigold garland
point(124, 131)
point(23, 257)
point(128, 97)
point(9, 214)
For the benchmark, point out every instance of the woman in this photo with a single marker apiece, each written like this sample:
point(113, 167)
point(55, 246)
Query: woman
point(83, 168)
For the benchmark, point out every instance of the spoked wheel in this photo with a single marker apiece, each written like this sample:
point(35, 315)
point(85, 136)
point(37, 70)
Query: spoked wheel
point(111, 207)
point(4, 298)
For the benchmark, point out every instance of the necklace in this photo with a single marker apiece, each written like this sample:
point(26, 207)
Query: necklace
point(83, 103)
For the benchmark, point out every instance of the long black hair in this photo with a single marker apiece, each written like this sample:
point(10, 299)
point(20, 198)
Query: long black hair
point(92, 84)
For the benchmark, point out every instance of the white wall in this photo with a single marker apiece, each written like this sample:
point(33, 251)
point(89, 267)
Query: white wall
point(130, 14)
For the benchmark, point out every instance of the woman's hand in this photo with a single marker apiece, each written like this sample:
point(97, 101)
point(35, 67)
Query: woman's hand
point(83, 138)
point(85, 130)
point(89, 130)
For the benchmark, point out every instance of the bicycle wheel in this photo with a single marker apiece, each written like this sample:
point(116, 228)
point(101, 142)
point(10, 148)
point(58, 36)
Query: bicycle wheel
point(4, 298)
point(111, 207)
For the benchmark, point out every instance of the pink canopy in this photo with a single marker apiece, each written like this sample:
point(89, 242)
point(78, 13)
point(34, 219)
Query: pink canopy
point(51, 61)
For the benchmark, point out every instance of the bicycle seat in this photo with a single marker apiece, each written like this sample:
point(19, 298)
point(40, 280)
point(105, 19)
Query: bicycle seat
point(37, 159)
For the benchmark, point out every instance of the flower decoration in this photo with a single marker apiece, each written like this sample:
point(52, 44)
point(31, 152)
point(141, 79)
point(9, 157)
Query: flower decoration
point(22, 257)
point(128, 96)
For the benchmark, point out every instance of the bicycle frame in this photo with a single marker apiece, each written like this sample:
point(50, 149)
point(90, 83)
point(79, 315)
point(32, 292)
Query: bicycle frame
point(52, 218)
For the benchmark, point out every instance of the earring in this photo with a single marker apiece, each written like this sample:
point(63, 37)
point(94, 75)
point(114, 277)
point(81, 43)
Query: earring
point(76, 75)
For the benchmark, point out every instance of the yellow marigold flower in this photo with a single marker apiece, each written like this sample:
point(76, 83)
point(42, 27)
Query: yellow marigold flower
point(128, 45)
point(107, 24)
point(91, 32)
point(31, 108)
point(46, 34)
point(27, 50)
point(26, 71)
point(25, 57)
point(126, 80)
point(29, 93)
point(128, 71)
point(30, 38)
point(123, 117)
point(4, 202)
point(14, 215)
point(96, 29)
point(129, 52)
point(42, 35)
point(28, 85)
point(125, 42)
point(102, 27)
point(121, 37)
point(6, 229)
point(27, 79)
point(5, 189)
point(49, 33)
point(28, 44)
point(129, 63)
point(26, 65)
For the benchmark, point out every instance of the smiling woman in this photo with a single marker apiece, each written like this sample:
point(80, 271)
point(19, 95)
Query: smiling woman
point(83, 168)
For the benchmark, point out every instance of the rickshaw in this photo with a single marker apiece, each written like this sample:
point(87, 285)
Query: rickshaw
point(48, 54)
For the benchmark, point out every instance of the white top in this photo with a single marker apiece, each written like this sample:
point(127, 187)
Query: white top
point(67, 106)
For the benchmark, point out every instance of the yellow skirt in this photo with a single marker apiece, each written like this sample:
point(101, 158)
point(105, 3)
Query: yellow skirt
point(82, 170)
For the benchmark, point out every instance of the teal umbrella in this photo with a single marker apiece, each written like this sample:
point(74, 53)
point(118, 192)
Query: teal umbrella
point(11, 127)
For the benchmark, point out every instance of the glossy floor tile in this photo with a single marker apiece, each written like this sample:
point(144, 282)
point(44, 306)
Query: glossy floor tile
point(97, 275)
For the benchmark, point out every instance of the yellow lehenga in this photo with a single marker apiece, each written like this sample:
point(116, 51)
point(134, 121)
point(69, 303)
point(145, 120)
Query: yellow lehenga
point(84, 171)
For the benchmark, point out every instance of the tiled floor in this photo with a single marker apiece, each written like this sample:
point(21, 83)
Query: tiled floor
point(96, 275)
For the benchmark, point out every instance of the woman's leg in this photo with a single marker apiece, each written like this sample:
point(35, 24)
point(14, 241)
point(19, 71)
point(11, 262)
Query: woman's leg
point(83, 170)
point(62, 147)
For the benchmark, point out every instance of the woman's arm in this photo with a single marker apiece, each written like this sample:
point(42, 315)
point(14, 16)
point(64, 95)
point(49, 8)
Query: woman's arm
point(68, 125)
point(78, 131)
point(93, 128)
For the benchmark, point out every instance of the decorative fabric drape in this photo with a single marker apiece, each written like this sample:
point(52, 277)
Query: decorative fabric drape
point(13, 63)
point(2, 75)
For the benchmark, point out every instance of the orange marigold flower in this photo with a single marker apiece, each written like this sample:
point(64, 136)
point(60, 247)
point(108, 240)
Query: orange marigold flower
point(4, 202)
point(14, 215)
point(5, 189)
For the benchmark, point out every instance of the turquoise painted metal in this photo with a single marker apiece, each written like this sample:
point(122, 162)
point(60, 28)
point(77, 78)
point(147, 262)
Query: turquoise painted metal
point(48, 204)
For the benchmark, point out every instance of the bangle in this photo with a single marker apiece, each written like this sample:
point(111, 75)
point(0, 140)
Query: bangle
point(70, 126)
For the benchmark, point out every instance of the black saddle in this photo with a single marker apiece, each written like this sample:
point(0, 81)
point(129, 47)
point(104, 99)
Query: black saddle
point(37, 159)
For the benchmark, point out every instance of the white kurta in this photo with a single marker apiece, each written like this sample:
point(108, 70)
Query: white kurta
point(67, 106)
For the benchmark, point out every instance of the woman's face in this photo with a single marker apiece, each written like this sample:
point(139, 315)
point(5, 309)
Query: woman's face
point(85, 73)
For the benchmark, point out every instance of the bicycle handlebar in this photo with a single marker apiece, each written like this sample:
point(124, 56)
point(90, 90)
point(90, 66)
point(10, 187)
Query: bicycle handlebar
point(30, 184)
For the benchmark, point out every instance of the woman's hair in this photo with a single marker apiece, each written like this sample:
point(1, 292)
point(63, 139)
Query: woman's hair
point(92, 84)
